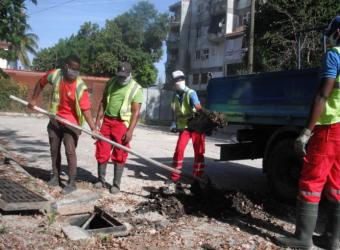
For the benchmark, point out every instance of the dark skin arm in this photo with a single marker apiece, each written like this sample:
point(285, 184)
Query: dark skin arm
point(101, 108)
point(135, 110)
point(36, 92)
point(324, 91)
point(88, 117)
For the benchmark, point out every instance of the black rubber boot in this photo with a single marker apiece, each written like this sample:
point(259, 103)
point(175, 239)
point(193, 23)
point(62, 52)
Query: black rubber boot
point(101, 175)
point(118, 173)
point(54, 181)
point(331, 236)
point(306, 216)
point(333, 229)
point(71, 186)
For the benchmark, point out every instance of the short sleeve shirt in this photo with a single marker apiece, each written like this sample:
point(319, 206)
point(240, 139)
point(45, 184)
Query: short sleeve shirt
point(67, 103)
point(117, 96)
point(331, 64)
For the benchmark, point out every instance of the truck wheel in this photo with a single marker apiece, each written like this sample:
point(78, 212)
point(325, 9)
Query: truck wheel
point(284, 168)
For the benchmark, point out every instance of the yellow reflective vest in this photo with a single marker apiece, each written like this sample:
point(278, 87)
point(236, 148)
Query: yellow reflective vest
point(183, 111)
point(55, 79)
point(125, 110)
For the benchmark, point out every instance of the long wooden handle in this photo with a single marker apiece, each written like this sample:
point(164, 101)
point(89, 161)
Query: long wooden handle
point(100, 137)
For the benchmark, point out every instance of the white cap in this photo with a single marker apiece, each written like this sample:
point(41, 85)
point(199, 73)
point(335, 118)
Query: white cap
point(178, 74)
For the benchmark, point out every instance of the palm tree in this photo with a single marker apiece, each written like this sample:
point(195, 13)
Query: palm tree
point(28, 44)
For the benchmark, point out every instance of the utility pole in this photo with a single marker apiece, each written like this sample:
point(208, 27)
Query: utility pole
point(251, 37)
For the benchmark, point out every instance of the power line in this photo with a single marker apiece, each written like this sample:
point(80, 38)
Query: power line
point(52, 7)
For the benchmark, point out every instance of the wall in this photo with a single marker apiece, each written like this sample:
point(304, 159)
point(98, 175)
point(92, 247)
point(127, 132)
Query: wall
point(157, 106)
point(30, 78)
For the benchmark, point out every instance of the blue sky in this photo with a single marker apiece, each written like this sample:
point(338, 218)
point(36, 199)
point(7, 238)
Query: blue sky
point(52, 20)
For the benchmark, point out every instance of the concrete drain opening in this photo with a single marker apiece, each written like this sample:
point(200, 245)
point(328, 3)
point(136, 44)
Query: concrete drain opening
point(99, 222)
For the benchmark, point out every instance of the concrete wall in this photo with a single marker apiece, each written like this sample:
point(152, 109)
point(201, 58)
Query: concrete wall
point(30, 78)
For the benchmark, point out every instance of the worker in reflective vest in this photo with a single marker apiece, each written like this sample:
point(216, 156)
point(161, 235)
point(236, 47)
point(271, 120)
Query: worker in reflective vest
point(119, 109)
point(69, 100)
point(321, 168)
point(184, 104)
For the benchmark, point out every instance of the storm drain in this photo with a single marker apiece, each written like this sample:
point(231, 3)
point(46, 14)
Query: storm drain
point(99, 222)
point(14, 197)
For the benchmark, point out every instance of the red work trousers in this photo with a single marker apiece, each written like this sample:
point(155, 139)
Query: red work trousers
point(198, 141)
point(321, 168)
point(113, 129)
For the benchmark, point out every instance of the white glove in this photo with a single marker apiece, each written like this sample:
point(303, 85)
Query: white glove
point(301, 141)
point(173, 127)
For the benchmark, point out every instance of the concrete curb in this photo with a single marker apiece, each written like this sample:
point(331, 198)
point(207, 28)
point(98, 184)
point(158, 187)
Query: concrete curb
point(17, 114)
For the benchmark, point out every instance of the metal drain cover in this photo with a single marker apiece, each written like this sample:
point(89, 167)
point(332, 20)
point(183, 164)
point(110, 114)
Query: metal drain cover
point(14, 197)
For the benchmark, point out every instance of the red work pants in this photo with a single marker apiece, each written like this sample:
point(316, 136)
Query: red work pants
point(114, 130)
point(321, 168)
point(198, 141)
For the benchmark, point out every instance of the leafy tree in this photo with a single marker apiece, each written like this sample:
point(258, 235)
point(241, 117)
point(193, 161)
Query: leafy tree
point(136, 35)
point(13, 29)
point(277, 26)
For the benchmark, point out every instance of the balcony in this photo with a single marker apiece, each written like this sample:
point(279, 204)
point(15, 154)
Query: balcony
point(174, 21)
point(218, 7)
point(239, 31)
point(216, 37)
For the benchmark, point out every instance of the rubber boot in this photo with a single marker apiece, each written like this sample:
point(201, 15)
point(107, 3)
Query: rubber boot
point(118, 173)
point(101, 175)
point(71, 186)
point(333, 229)
point(306, 216)
point(331, 236)
point(54, 181)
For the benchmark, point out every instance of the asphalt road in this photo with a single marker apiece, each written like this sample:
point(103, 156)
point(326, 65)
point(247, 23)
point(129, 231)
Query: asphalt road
point(27, 136)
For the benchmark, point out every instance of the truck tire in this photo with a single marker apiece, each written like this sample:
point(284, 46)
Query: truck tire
point(284, 168)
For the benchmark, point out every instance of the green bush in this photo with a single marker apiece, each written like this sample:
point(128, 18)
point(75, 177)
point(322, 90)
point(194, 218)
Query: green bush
point(7, 88)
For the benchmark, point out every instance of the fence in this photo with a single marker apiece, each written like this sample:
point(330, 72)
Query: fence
point(156, 108)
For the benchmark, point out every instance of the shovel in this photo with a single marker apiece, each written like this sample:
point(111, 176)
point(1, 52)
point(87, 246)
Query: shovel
point(199, 183)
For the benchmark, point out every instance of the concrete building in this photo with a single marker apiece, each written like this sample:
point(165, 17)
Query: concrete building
point(207, 39)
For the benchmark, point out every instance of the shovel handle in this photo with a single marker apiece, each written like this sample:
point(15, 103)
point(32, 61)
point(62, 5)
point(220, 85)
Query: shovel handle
point(100, 137)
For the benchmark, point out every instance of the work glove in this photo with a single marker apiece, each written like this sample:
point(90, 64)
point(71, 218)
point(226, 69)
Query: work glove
point(301, 142)
point(173, 127)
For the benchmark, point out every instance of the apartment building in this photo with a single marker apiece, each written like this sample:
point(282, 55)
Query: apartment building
point(207, 39)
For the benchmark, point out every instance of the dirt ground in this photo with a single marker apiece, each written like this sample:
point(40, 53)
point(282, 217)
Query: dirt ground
point(222, 217)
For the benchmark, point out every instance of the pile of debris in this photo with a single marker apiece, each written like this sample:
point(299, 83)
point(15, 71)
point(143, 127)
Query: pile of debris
point(206, 121)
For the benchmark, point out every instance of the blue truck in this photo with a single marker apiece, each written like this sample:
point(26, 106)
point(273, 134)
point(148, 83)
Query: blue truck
point(274, 108)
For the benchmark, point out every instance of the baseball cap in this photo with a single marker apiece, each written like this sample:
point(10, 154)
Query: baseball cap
point(177, 75)
point(333, 26)
point(124, 69)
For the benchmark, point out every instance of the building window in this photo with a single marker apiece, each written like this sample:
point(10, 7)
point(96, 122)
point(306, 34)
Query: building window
point(198, 32)
point(204, 78)
point(198, 54)
point(200, 8)
point(195, 79)
point(205, 54)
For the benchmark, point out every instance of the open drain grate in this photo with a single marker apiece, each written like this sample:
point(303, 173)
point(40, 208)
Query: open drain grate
point(99, 222)
point(14, 197)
